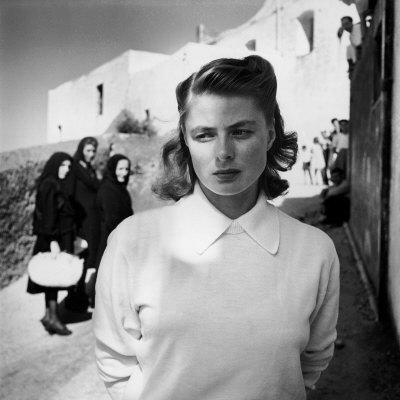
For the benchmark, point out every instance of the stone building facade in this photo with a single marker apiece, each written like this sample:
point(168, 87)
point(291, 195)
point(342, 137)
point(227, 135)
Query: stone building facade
point(298, 37)
point(88, 105)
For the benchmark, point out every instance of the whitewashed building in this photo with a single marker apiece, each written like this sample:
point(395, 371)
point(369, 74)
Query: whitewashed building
point(297, 36)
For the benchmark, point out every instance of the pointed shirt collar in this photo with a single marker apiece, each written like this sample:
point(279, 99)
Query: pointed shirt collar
point(206, 224)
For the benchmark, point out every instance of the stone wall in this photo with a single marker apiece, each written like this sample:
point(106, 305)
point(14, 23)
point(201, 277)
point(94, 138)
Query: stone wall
point(74, 107)
point(394, 225)
point(313, 88)
point(21, 168)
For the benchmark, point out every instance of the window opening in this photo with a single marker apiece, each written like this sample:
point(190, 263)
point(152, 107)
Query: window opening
point(100, 99)
point(251, 44)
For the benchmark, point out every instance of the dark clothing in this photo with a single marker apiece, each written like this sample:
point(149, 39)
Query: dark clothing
point(54, 214)
point(341, 160)
point(337, 209)
point(53, 221)
point(83, 186)
point(113, 201)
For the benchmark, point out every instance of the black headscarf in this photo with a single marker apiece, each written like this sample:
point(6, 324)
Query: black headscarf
point(78, 156)
point(111, 167)
point(53, 210)
point(52, 165)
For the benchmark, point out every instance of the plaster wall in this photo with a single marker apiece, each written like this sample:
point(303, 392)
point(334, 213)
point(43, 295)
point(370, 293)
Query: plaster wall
point(154, 88)
point(73, 108)
point(312, 88)
point(394, 224)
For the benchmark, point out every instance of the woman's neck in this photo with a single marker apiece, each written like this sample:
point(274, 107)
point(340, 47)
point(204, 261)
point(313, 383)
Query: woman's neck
point(233, 206)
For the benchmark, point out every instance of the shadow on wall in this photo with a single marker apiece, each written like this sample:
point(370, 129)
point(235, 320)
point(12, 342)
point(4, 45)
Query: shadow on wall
point(18, 175)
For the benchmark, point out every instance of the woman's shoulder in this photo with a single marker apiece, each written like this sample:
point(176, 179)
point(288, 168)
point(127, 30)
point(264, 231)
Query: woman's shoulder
point(48, 184)
point(147, 224)
point(303, 232)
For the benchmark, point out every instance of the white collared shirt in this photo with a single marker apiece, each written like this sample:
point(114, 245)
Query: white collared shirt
point(191, 305)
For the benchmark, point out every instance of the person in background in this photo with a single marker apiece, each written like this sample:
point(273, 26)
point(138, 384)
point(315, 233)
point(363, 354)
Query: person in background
point(341, 145)
point(326, 145)
point(53, 223)
point(305, 157)
point(333, 139)
point(113, 200)
point(83, 183)
point(221, 295)
point(335, 200)
point(353, 52)
point(317, 162)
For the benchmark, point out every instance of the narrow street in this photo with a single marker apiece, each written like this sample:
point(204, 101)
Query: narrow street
point(35, 365)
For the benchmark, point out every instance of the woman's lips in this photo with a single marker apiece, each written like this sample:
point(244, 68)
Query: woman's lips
point(226, 174)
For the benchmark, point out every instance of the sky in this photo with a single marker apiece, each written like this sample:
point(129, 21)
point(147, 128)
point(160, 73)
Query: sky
point(44, 43)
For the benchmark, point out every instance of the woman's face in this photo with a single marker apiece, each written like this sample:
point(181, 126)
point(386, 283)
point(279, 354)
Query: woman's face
point(89, 152)
point(122, 170)
point(63, 169)
point(228, 139)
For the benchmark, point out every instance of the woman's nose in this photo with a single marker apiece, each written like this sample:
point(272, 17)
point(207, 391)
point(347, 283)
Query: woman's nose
point(225, 150)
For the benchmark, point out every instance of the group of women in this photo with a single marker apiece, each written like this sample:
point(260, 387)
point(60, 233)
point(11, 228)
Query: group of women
point(71, 203)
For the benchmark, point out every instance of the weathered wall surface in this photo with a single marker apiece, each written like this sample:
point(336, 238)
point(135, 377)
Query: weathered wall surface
point(366, 165)
point(394, 225)
point(17, 188)
point(312, 88)
point(73, 107)
point(154, 88)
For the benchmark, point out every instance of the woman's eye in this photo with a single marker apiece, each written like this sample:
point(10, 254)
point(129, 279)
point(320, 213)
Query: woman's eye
point(204, 136)
point(241, 133)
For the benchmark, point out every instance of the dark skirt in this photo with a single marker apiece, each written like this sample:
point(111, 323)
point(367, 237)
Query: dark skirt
point(66, 242)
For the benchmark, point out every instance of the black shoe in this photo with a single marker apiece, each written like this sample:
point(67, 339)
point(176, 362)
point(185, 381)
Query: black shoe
point(45, 322)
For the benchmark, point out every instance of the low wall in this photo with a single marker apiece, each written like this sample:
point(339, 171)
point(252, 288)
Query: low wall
point(20, 169)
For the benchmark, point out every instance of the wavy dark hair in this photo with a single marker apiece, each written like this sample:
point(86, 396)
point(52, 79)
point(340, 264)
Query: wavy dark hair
point(78, 156)
point(252, 76)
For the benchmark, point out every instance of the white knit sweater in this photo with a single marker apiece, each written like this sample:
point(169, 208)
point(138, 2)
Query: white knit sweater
point(191, 305)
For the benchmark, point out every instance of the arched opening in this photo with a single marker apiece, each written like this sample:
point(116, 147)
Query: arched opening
point(305, 33)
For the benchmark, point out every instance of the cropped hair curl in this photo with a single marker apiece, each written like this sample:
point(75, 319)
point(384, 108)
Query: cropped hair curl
point(252, 77)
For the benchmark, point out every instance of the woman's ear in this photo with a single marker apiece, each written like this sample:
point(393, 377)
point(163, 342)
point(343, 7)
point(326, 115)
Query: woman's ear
point(271, 138)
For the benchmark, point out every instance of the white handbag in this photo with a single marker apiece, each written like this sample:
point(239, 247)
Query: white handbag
point(52, 269)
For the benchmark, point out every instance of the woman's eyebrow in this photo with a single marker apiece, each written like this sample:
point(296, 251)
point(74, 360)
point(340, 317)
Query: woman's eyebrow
point(240, 124)
point(200, 128)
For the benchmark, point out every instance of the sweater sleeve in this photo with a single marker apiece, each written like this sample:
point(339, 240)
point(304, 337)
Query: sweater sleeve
point(116, 323)
point(319, 350)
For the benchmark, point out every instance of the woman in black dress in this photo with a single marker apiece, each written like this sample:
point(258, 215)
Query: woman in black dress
point(53, 221)
point(84, 184)
point(113, 199)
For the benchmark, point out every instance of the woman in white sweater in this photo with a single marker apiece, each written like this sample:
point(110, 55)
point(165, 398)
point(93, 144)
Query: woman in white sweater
point(220, 296)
